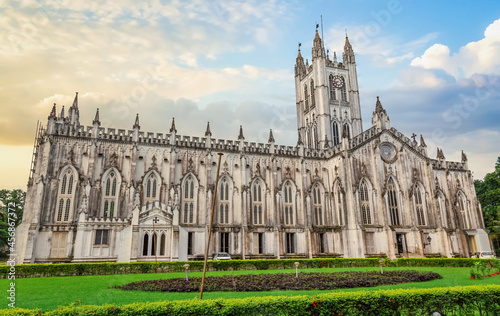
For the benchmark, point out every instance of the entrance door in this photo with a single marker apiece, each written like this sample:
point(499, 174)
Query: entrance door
point(400, 240)
point(59, 240)
point(472, 244)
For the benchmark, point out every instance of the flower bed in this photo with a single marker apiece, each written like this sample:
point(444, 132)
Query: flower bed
point(284, 281)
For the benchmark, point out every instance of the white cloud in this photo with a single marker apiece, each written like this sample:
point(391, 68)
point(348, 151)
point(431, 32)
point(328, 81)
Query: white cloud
point(475, 57)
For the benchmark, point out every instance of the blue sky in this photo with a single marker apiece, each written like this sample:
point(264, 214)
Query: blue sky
point(434, 65)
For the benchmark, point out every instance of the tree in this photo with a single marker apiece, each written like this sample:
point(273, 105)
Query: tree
point(11, 214)
point(488, 194)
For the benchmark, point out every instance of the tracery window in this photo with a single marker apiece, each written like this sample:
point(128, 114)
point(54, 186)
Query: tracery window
point(317, 206)
point(332, 88)
point(189, 200)
point(257, 202)
point(393, 202)
point(336, 138)
point(224, 202)
point(66, 195)
point(365, 203)
point(288, 204)
point(306, 97)
point(313, 101)
point(110, 196)
point(419, 207)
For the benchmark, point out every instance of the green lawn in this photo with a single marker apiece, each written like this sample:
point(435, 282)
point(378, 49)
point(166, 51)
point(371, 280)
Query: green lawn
point(52, 292)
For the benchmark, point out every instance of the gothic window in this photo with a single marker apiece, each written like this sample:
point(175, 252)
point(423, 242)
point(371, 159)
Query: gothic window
point(154, 245)
point(309, 138)
point(224, 242)
point(101, 237)
point(313, 101)
point(419, 207)
point(111, 179)
point(288, 204)
point(364, 201)
point(336, 138)
point(332, 89)
point(315, 140)
point(317, 206)
point(151, 187)
point(343, 93)
point(67, 180)
point(257, 202)
point(189, 200)
point(306, 97)
point(162, 244)
point(145, 244)
point(224, 202)
point(462, 207)
point(393, 202)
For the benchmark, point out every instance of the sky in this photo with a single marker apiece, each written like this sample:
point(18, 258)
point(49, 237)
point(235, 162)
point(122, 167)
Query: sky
point(434, 65)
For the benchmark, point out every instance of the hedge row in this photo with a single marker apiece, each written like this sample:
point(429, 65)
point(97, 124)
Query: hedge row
point(70, 269)
point(470, 300)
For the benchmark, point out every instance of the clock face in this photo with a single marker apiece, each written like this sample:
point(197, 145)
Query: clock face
point(338, 81)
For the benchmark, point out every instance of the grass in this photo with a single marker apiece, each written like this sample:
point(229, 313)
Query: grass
point(52, 292)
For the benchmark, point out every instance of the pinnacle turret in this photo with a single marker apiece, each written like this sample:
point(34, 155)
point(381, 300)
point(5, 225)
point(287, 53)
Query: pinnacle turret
point(208, 132)
point(300, 67)
point(53, 112)
point(422, 142)
point(75, 102)
point(96, 118)
point(240, 135)
point(378, 107)
point(136, 124)
point(172, 127)
point(348, 56)
point(61, 116)
point(271, 137)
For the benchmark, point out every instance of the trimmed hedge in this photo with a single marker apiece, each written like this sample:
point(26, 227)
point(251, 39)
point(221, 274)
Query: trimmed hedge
point(469, 300)
point(72, 269)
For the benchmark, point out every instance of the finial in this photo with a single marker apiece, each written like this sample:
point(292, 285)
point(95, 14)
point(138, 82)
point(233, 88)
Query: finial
point(96, 118)
point(172, 128)
point(208, 132)
point(240, 136)
point(271, 137)
point(136, 124)
point(75, 102)
point(62, 112)
point(464, 156)
point(378, 106)
point(300, 44)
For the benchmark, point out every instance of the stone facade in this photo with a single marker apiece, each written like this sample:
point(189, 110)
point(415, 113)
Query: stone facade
point(97, 194)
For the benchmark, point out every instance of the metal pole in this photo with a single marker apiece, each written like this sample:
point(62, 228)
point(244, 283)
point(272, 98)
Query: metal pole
point(210, 227)
point(155, 220)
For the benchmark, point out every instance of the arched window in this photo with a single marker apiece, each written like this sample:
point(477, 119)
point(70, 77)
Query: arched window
point(306, 97)
point(64, 208)
point(343, 93)
point(162, 244)
point(419, 207)
point(145, 244)
point(462, 208)
point(257, 202)
point(313, 101)
point(364, 201)
point(317, 206)
point(112, 179)
point(151, 184)
point(189, 200)
point(154, 244)
point(224, 202)
point(332, 89)
point(336, 138)
point(393, 202)
point(309, 138)
point(315, 140)
point(288, 204)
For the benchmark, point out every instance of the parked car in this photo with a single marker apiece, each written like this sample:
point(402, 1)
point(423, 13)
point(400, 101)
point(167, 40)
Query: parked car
point(484, 255)
point(222, 256)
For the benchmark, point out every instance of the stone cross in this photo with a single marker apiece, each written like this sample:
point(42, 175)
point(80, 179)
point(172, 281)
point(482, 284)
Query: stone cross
point(413, 136)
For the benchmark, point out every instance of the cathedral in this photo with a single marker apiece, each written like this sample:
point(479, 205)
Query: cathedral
point(100, 194)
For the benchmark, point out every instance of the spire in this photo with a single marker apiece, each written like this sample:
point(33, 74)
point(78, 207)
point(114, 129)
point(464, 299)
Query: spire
point(317, 50)
point(335, 62)
point(464, 156)
point(75, 102)
point(240, 135)
point(300, 67)
point(208, 132)
point(53, 112)
point(422, 142)
point(378, 107)
point(348, 52)
point(136, 124)
point(62, 112)
point(96, 119)
point(271, 137)
point(172, 128)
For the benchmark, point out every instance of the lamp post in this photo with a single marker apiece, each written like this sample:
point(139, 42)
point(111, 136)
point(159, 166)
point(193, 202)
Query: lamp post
point(381, 263)
point(296, 270)
point(155, 220)
point(186, 266)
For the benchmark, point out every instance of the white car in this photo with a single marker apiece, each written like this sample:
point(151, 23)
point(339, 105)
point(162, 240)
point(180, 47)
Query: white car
point(484, 255)
point(222, 256)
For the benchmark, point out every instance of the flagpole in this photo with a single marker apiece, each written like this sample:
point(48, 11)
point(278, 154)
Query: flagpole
point(210, 227)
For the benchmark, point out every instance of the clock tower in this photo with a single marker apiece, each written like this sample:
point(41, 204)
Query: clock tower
point(327, 97)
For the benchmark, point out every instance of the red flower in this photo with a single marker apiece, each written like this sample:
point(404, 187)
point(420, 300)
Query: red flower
point(392, 301)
